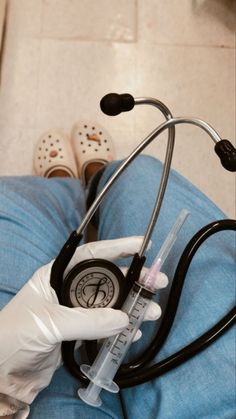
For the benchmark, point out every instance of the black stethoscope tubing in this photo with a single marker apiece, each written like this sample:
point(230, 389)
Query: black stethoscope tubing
point(134, 373)
point(168, 319)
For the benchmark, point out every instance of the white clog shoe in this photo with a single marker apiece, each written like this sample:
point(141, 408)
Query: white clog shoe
point(53, 151)
point(91, 144)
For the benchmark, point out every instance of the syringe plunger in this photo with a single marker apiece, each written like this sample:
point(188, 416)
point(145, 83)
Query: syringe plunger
point(90, 394)
point(114, 349)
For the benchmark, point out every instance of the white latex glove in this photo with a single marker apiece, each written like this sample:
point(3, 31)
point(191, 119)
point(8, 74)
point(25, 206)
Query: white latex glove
point(33, 324)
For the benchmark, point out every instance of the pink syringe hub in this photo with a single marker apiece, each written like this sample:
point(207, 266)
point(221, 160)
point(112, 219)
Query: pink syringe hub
point(151, 276)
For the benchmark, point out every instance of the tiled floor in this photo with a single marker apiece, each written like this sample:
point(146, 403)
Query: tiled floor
point(60, 57)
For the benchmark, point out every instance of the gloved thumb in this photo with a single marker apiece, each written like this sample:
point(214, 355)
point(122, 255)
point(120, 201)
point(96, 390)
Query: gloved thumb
point(86, 324)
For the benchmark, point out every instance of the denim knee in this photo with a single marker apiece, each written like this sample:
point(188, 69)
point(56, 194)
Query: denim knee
point(143, 165)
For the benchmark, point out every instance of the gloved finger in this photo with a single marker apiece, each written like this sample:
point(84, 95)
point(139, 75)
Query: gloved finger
point(153, 311)
point(107, 249)
point(161, 279)
point(86, 324)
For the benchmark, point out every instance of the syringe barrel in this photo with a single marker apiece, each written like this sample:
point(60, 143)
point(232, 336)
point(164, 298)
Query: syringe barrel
point(115, 348)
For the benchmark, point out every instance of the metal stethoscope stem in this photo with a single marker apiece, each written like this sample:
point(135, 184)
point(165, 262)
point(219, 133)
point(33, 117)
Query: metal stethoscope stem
point(169, 124)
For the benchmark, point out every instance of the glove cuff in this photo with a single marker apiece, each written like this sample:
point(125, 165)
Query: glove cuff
point(10, 406)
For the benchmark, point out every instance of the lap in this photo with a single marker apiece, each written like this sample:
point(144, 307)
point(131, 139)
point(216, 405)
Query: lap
point(34, 229)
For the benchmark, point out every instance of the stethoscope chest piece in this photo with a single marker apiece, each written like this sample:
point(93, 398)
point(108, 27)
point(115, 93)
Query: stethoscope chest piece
point(94, 283)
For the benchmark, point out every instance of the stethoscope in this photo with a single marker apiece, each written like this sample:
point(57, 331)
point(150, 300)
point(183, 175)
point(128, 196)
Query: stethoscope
point(100, 283)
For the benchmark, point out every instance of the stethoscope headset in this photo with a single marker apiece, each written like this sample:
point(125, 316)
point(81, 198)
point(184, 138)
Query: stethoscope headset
point(71, 291)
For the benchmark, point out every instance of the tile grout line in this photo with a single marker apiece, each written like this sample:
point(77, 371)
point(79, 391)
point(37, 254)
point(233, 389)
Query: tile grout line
point(136, 16)
point(127, 42)
point(39, 63)
point(3, 39)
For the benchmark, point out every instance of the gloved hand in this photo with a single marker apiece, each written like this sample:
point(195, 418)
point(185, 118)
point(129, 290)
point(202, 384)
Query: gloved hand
point(33, 324)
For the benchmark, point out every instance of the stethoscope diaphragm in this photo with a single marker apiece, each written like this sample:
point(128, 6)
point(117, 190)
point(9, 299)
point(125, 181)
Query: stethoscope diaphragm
point(94, 283)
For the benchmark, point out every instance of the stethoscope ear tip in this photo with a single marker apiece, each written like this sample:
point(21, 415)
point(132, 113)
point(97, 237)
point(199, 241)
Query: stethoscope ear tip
point(227, 154)
point(113, 104)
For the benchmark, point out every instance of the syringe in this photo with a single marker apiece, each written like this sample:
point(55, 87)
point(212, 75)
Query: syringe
point(114, 348)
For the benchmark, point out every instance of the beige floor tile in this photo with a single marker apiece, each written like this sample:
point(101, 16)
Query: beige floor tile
point(2, 20)
point(16, 150)
point(55, 82)
point(24, 17)
point(75, 76)
point(193, 82)
point(19, 82)
point(88, 20)
point(188, 22)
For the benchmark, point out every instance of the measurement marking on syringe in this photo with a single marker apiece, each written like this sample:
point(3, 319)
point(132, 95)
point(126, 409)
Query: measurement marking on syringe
point(135, 317)
point(118, 354)
point(121, 339)
point(116, 347)
point(136, 309)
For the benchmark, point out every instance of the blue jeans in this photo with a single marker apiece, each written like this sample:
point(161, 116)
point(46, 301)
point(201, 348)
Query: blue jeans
point(36, 217)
